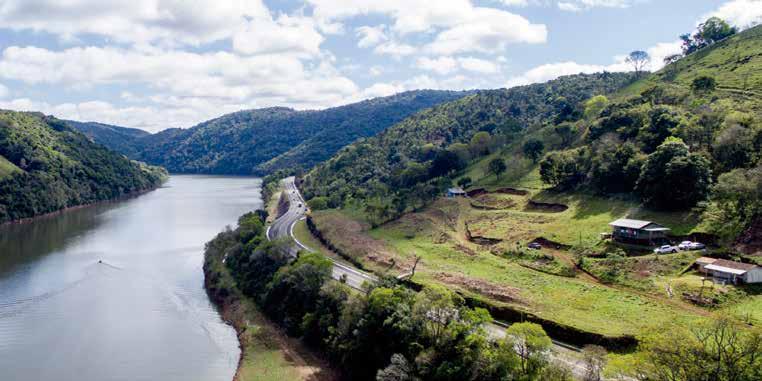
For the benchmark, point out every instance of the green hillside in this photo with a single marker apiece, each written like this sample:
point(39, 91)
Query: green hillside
point(119, 139)
point(45, 166)
point(266, 140)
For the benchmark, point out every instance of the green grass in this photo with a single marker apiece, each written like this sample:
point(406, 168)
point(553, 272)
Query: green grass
point(7, 168)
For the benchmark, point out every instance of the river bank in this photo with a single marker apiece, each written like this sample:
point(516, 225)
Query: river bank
point(267, 353)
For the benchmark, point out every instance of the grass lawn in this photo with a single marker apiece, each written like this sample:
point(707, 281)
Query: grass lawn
point(7, 168)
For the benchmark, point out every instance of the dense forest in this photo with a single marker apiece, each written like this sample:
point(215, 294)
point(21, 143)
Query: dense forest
point(46, 166)
point(687, 135)
point(410, 158)
point(266, 140)
point(119, 139)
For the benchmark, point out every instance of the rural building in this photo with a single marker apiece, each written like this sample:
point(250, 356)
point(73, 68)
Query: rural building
point(734, 272)
point(637, 232)
point(703, 262)
point(456, 192)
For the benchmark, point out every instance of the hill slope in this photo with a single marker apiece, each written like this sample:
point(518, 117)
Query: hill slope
point(45, 166)
point(266, 140)
point(120, 139)
point(402, 155)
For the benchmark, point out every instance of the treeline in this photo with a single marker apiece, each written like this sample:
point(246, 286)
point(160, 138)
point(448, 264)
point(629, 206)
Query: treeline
point(408, 164)
point(388, 332)
point(49, 166)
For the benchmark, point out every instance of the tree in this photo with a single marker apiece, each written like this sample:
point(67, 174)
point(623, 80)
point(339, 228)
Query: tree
point(672, 178)
point(615, 167)
point(479, 145)
point(444, 163)
point(399, 369)
point(638, 59)
point(709, 32)
point(497, 167)
point(566, 169)
point(532, 345)
point(738, 196)
point(734, 147)
point(464, 182)
point(533, 149)
point(318, 203)
point(566, 132)
point(703, 84)
point(594, 106)
point(594, 358)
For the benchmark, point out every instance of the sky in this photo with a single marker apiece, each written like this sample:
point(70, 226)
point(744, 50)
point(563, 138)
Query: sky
point(157, 64)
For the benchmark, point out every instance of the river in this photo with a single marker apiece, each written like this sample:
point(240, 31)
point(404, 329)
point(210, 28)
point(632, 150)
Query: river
point(115, 291)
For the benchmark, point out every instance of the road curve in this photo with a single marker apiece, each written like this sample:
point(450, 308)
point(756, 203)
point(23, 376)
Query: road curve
point(283, 226)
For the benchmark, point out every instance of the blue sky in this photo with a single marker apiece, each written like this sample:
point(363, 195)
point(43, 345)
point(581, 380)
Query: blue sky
point(156, 64)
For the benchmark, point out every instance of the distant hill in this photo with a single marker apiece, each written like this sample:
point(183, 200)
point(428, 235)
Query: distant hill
point(46, 165)
point(120, 139)
point(266, 140)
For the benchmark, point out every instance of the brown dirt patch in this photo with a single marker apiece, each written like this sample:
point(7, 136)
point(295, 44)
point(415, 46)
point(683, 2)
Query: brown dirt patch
point(491, 290)
point(750, 241)
point(492, 202)
point(350, 236)
point(544, 242)
point(545, 207)
point(476, 192)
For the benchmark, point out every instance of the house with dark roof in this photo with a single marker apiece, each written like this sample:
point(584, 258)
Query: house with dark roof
point(734, 272)
point(637, 232)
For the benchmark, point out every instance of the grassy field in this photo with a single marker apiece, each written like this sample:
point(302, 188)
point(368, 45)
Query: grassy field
point(7, 168)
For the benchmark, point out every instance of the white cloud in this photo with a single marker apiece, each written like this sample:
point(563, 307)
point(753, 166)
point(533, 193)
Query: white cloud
point(515, 3)
point(440, 65)
point(370, 36)
point(446, 65)
point(134, 21)
point(457, 25)
point(3, 91)
point(742, 13)
point(580, 5)
point(547, 72)
point(284, 35)
point(376, 70)
point(395, 49)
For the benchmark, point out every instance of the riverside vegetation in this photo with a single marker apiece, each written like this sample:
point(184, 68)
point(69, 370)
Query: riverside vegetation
point(46, 166)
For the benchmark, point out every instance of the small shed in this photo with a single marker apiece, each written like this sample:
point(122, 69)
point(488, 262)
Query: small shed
point(735, 271)
point(637, 232)
point(702, 262)
point(456, 192)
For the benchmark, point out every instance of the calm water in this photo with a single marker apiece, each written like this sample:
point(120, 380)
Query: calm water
point(141, 314)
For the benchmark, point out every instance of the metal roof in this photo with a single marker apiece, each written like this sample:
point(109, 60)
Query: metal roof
point(725, 269)
point(456, 190)
point(631, 224)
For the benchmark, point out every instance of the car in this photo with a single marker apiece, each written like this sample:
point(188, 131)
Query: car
point(696, 246)
point(534, 246)
point(685, 245)
point(665, 249)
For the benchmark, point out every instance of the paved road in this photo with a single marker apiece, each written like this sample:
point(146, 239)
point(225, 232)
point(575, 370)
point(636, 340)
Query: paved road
point(283, 226)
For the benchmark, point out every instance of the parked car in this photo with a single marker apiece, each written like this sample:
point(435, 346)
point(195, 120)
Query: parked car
point(666, 249)
point(696, 246)
point(685, 245)
point(534, 246)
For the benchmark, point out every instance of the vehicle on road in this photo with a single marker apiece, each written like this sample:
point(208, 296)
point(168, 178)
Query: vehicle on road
point(685, 245)
point(696, 246)
point(534, 246)
point(666, 249)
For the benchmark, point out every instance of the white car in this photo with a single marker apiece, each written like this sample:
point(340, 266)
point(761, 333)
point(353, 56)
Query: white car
point(696, 246)
point(666, 249)
point(685, 245)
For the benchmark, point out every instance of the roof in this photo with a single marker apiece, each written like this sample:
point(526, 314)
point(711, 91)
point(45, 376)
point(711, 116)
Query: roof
point(706, 260)
point(731, 267)
point(456, 190)
point(638, 224)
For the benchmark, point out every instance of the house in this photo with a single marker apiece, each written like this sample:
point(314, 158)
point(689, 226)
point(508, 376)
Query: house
point(637, 232)
point(734, 272)
point(702, 262)
point(456, 192)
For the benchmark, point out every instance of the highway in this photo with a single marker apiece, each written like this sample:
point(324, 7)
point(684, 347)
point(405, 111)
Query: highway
point(283, 226)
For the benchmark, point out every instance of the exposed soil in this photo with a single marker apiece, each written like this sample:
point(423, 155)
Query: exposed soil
point(546, 207)
point(494, 291)
point(476, 192)
point(349, 238)
point(484, 241)
point(750, 241)
point(544, 242)
point(492, 202)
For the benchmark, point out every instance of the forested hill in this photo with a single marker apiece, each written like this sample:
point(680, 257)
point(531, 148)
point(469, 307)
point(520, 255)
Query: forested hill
point(402, 156)
point(265, 140)
point(45, 166)
point(687, 136)
point(120, 139)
